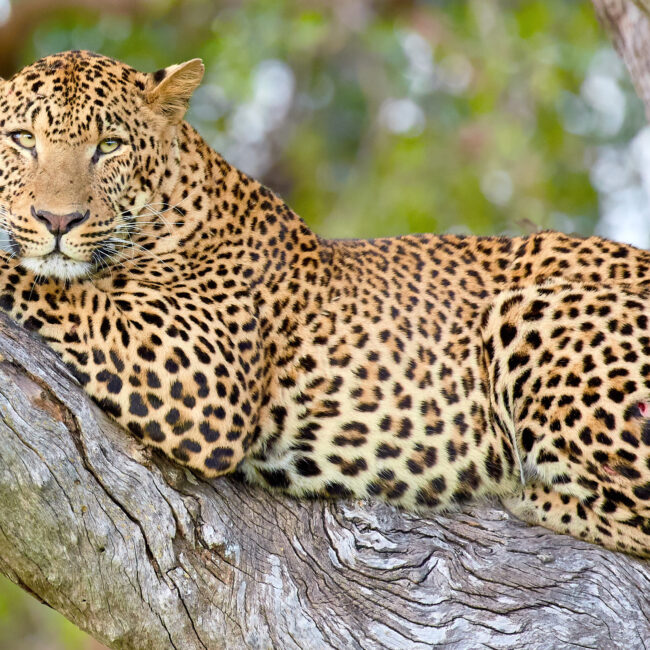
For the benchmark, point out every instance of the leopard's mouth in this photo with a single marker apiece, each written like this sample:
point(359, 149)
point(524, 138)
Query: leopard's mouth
point(57, 265)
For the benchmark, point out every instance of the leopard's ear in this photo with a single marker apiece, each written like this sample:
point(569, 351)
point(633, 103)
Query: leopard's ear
point(170, 89)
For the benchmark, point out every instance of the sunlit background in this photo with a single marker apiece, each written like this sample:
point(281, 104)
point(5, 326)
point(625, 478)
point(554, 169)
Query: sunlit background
point(378, 118)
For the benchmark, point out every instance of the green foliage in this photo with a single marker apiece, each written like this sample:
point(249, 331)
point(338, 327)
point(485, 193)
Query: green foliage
point(26, 625)
point(483, 149)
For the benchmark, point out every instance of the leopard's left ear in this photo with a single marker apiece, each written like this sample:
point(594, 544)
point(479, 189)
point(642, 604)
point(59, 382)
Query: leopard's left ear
point(170, 89)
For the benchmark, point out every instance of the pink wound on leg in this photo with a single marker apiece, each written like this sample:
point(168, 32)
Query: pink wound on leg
point(644, 409)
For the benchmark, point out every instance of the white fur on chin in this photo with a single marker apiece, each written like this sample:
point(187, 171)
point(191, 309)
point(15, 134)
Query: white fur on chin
point(57, 266)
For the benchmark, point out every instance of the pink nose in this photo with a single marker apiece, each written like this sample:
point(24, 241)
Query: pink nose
point(60, 224)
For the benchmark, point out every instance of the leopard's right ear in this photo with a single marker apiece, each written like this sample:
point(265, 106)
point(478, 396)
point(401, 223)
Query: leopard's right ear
point(170, 89)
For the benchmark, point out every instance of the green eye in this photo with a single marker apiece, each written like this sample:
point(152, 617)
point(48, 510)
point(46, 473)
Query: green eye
point(24, 139)
point(109, 145)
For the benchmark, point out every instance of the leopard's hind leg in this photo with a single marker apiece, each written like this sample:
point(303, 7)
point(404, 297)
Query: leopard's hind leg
point(612, 524)
point(569, 381)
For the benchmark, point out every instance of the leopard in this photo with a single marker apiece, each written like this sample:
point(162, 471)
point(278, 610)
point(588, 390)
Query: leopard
point(204, 316)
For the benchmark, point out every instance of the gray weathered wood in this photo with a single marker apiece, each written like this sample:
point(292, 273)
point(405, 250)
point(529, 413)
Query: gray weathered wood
point(628, 25)
point(143, 555)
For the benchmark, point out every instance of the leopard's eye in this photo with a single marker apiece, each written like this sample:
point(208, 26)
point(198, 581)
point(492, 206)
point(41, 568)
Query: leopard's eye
point(109, 145)
point(24, 139)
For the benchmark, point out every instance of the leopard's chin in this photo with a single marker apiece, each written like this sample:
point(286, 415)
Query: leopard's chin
point(57, 265)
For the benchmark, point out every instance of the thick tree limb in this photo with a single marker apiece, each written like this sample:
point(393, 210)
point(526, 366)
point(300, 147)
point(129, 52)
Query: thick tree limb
point(628, 24)
point(143, 555)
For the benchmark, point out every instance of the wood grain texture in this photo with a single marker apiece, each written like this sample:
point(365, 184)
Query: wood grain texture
point(142, 555)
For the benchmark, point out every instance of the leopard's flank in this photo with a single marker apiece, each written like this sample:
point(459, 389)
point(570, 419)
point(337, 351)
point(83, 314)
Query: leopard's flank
point(203, 315)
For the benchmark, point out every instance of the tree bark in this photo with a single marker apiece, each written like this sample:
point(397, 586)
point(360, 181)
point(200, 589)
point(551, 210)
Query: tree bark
point(628, 25)
point(142, 554)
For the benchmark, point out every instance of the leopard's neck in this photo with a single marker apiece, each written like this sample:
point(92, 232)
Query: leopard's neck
point(213, 209)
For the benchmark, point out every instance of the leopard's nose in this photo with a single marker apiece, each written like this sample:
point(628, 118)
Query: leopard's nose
point(59, 224)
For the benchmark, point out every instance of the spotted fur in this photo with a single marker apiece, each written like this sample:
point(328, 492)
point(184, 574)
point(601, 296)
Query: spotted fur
point(203, 315)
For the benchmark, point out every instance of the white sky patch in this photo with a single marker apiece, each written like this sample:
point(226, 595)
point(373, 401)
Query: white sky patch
point(603, 94)
point(5, 11)
point(252, 124)
point(497, 186)
point(625, 217)
point(622, 177)
point(402, 116)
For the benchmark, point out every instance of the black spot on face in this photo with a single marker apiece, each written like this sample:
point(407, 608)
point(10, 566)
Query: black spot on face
point(508, 333)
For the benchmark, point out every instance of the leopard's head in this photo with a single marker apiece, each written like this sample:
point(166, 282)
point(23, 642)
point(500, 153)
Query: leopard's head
point(87, 145)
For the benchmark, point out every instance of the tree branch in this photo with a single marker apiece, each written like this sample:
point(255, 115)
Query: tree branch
point(141, 554)
point(628, 25)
